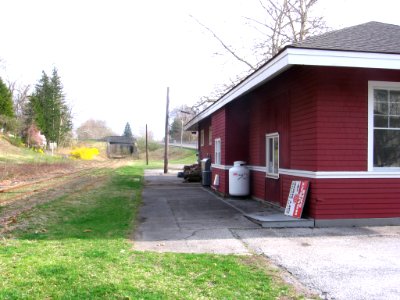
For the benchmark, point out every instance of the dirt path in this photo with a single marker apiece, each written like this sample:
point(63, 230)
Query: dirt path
point(28, 195)
point(16, 174)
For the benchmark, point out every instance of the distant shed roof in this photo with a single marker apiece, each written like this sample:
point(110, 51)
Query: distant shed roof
point(120, 140)
point(368, 37)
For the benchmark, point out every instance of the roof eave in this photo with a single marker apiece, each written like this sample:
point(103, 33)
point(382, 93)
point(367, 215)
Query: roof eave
point(291, 56)
point(271, 68)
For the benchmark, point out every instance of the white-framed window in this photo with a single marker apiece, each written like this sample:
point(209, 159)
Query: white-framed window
point(383, 126)
point(272, 154)
point(210, 135)
point(202, 137)
point(217, 151)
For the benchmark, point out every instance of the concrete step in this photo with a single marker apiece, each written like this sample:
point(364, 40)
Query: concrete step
point(278, 220)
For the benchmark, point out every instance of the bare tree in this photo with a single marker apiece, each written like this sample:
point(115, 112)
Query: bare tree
point(93, 129)
point(180, 116)
point(219, 90)
point(228, 48)
point(285, 22)
point(183, 112)
point(20, 94)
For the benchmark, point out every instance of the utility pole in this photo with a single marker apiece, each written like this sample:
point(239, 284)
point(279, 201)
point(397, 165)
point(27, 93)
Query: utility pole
point(181, 133)
point(147, 149)
point(166, 139)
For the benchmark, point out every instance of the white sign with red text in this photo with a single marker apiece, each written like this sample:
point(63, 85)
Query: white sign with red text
point(297, 198)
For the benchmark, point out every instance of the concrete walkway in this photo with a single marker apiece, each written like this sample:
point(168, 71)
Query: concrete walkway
point(184, 217)
point(341, 263)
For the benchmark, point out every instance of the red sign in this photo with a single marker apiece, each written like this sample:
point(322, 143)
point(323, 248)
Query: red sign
point(297, 198)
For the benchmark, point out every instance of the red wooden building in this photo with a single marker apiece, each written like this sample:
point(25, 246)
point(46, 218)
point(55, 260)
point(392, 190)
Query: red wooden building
point(326, 110)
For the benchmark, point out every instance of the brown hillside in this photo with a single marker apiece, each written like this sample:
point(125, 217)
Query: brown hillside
point(6, 148)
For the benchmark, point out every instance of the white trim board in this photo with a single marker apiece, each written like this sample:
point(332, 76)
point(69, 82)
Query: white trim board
point(300, 56)
point(339, 174)
point(251, 168)
point(321, 174)
point(220, 167)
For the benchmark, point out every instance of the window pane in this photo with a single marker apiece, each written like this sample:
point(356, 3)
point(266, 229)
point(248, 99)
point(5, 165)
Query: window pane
point(269, 155)
point(381, 108)
point(217, 145)
point(381, 95)
point(386, 148)
point(394, 109)
point(395, 96)
point(270, 151)
point(381, 121)
point(276, 154)
point(394, 122)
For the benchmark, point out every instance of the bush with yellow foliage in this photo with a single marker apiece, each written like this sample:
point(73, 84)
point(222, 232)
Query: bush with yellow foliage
point(84, 153)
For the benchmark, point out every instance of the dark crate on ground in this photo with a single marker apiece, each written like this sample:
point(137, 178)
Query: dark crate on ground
point(192, 173)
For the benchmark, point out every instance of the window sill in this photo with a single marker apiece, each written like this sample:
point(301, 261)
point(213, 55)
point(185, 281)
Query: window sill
point(386, 170)
point(272, 176)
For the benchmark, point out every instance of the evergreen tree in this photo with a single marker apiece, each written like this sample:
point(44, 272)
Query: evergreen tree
point(127, 130)
point(6, 102)
point(176, 129)
point(48, 109)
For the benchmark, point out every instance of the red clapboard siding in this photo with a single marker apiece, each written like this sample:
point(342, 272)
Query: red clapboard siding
point(321, 115)
point(218, 124)
point(237, 138)
point(257, 184)
point(205, 150)
point(273, 190)
point(349, 198)
point(286, 105)
point(342, 119)
point(327, 128)
point(223, 180)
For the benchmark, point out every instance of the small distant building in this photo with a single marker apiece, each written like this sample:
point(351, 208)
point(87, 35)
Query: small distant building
point(121, 146)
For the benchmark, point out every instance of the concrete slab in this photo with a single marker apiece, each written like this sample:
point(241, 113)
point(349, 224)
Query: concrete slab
point(184, 217)
point(266, 215)
point(279, 220)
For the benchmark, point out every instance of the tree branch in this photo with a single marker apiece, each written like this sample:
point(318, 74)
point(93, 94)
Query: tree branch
point(224, 45)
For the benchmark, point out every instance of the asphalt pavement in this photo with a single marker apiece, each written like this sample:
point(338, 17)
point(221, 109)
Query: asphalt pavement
point(341, 263)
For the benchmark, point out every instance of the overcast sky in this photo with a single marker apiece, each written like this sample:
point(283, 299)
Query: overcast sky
point(116, 58)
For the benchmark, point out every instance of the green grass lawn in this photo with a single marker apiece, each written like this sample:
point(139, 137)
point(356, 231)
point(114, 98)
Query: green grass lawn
point(177, 156)
point(78, 247)
point(183, 156)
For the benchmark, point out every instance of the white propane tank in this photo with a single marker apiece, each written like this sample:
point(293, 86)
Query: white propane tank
point(239, 179)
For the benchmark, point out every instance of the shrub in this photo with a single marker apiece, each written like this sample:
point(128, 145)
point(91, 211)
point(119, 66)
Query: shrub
point(16, 141)
point(152, 145)
point(84, 153)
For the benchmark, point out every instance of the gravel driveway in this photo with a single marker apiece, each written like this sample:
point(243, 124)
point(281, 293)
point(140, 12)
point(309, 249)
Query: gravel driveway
point(345, 263)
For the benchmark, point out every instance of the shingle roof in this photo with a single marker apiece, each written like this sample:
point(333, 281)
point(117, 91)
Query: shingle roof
point(120, 140)
point(367, 37)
